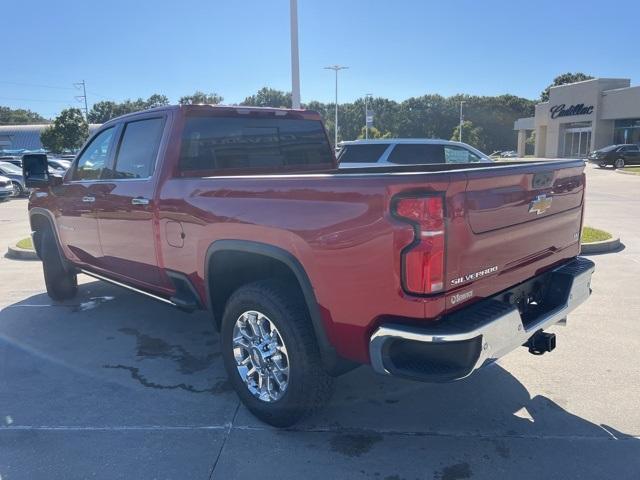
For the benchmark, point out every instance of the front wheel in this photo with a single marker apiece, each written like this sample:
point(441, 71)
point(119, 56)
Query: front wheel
point(271, 354)
point(61, 284)
point(618, 163)
point(602, 164)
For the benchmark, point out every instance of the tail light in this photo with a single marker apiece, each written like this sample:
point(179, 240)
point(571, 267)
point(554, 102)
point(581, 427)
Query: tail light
point(423, 260)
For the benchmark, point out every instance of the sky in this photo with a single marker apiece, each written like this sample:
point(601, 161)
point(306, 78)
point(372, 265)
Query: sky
point(393, 48)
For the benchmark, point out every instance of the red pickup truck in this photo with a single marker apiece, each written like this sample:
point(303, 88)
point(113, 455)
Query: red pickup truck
point(426, 272)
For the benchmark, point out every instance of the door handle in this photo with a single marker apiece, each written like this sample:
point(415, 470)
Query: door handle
point(88, 199)
point(139, 201)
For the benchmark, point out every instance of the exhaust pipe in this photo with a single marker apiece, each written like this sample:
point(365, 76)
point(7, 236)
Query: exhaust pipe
point(541, 342)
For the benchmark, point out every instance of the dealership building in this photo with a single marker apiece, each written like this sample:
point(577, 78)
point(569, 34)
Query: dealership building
point(582, 117)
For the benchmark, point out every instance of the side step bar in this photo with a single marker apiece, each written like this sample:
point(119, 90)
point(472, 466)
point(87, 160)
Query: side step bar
point(133, 289)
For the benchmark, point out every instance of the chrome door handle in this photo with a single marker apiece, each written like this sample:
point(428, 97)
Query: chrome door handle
point(139, 201)
point(88, 199)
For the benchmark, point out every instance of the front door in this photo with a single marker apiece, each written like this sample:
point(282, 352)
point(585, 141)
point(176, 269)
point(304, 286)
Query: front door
point(127, 213)
point(78, 196)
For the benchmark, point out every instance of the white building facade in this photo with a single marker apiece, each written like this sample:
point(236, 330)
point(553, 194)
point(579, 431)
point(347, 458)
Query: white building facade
point(582, 117)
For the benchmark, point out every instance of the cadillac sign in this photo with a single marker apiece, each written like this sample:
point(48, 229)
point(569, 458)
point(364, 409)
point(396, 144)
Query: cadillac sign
point(563, 111)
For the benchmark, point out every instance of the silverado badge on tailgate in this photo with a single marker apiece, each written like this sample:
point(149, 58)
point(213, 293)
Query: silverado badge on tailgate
point(540, 204)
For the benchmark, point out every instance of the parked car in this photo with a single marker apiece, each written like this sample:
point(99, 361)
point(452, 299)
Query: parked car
point(17, 161)
point(616, 155)
point(422, 271)
point(509, 154)
point(59, 164)
point(409, 151)
point(6, 188)
point(14, 173)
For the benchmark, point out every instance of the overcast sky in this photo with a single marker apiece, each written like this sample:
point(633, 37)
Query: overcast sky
point(395, 49)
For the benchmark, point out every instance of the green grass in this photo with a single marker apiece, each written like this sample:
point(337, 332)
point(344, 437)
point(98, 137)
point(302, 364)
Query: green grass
point(25, 243)
point(635, 170)
point(590, 235)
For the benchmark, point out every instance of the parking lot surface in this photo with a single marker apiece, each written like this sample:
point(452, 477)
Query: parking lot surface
point(114, 385)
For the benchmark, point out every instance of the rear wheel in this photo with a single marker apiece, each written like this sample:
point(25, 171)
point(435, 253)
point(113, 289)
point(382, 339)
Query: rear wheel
point(61, 284)
point(618, 163)
point(271, 355)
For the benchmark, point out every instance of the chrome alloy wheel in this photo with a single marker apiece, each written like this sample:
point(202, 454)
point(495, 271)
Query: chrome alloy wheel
point(261, 356)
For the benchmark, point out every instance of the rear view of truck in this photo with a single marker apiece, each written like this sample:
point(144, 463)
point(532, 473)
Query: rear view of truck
point(500, 245)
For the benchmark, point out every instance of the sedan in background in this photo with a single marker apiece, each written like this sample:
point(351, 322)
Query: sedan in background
point(6, 188)
point(406, 151)
point(616, 155)
point(14, 174)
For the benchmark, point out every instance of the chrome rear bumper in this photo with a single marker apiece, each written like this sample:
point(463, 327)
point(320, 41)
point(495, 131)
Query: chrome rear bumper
point(455, 347)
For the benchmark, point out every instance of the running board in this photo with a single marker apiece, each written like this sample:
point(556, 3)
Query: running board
point(129, 287)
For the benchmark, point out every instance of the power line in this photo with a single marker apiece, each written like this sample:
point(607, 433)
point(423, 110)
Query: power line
point(34, 100)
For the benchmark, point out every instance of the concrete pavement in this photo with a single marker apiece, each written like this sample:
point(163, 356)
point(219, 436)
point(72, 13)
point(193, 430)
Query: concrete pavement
point(113, 385)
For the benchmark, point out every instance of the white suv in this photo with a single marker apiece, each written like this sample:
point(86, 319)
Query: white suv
point(405, 151)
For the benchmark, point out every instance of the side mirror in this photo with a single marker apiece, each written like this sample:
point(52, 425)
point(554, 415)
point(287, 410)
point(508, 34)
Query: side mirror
point(35, 170)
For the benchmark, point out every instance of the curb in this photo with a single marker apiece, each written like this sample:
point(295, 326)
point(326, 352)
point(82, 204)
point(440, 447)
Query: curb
point(618, 170)
point(600, 247)
point(18, 253)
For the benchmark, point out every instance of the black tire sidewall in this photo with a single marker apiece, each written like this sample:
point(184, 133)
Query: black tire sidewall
point(618, 160)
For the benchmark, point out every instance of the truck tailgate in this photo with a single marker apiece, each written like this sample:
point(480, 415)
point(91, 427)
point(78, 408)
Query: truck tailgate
point(510, 223)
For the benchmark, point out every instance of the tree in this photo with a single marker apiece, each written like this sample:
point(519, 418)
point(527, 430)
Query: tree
point(201, 97)
point(374, 133)
point(268, 97)
point(19, 116)
point(471, 135)
point(563, 80)
point(106, 110)
point(68, 131)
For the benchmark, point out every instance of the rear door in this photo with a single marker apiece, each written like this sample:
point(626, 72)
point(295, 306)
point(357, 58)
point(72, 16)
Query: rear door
point(126, 213)
point(511, 222)
point(77, 197)
point(631, 154)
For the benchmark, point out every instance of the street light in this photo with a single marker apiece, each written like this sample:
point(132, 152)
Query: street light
point(461, 119)
point(336, 68)
point(367, 96)
point(295, 58)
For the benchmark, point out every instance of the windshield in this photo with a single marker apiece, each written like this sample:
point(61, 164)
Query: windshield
point(7, 167)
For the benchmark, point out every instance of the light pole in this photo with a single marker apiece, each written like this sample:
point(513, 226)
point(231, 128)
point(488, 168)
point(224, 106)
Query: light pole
point(295, 58)
point(367, 96)
point(336, 68)
point(461, 120)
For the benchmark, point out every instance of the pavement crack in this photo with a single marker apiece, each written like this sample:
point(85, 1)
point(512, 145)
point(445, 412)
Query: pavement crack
point(220, 387)
point(224, 441)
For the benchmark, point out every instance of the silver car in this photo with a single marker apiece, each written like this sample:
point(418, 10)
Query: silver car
point(406, 151)
point(15, 176)
point(6, 188)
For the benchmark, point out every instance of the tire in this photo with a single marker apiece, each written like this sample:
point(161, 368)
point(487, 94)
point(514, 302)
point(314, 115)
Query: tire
point(602, 164)
point(61, 284)
point(618, 163)
point(18, 191)
point(308, 386)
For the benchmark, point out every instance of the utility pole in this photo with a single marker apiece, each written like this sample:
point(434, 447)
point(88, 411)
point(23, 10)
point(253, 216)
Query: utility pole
point(83, 97)
point(336, 68)
point(367, 96)
point(461, 120)
point(295, 58)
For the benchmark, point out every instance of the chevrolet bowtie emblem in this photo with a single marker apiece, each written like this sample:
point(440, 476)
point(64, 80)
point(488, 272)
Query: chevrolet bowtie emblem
point(540, 204)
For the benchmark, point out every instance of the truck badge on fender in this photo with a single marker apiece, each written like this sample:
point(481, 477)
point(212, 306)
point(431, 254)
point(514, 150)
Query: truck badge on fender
point(540, 204)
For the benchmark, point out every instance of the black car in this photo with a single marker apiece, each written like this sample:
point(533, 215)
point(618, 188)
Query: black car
point(616, 155)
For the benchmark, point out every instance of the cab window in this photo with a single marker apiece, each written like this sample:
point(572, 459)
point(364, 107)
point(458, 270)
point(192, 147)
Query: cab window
point(93, 160)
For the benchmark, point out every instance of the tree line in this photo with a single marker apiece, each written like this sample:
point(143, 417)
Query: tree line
point(488, 120)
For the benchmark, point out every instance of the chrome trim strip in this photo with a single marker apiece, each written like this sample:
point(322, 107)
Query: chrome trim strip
point(128, 287)
point(498, 337)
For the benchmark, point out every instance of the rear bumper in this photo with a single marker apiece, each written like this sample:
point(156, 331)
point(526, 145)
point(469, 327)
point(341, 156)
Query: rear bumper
point(459, 344)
